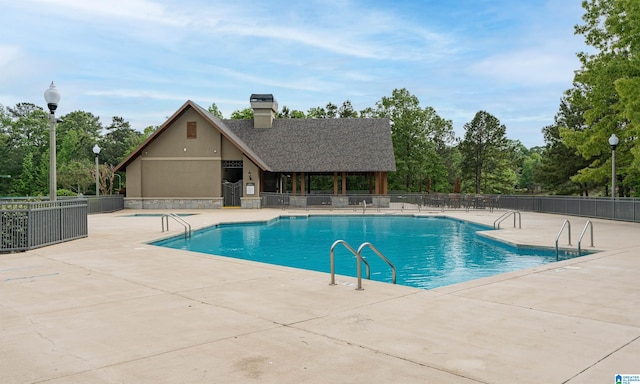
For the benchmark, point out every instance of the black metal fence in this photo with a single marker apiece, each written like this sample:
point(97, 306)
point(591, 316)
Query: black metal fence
point(106, 203)
point(27, 225)
point(623, 209)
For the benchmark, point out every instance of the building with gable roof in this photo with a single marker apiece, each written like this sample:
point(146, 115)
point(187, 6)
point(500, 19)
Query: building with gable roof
point(196, 160)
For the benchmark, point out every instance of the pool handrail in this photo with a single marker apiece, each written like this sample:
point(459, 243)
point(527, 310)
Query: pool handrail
point(566, 223)
point(587, 224)
point(180, 220)
point(374, 249)
point(505, 215)
point(355, 253)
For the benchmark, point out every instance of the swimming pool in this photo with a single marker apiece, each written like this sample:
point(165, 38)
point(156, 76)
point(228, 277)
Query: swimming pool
point(428, 252)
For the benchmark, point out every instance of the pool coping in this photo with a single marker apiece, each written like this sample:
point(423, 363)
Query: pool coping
point(110, 308)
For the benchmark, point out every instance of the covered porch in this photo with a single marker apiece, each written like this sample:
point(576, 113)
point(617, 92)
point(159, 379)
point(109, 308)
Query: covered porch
point(335, 189)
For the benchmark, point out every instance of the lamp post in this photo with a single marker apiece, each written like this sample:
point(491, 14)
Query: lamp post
point(52, 97)
point(613, 142)
point(96, 150)
point(119, 181)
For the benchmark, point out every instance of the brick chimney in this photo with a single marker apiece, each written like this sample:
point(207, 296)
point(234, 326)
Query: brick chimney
point(264, 108)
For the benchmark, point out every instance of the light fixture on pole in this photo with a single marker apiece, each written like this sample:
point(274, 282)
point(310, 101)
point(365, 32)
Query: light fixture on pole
point(613, 142)
point(119, 180)
point(52, 97)
point(96, 150)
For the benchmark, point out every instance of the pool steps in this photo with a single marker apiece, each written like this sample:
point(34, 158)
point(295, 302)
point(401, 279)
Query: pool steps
point(567, 224)
point(507, 214)
point(180, 220)
point(360, 258)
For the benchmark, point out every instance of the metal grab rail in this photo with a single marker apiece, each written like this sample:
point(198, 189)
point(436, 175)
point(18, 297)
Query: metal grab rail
point(359, 259)
point(568, 224)
point(355, 253)
point(504, 217)
point(374, 249)
point(587, 224)
point(180, 220)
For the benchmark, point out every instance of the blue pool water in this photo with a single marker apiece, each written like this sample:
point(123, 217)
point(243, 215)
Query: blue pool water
point(428, 252)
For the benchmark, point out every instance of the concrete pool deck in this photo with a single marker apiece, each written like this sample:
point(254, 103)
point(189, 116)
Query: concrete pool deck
point(111, 309)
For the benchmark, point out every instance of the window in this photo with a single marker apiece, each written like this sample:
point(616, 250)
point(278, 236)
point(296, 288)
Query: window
point(192, 132)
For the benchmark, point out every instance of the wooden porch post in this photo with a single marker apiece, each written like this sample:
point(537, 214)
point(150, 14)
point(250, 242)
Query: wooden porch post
point(377, 180)
point(385, 181)
point(344, 183)
point(335, 183)
point(303, 184)
point(294, 181)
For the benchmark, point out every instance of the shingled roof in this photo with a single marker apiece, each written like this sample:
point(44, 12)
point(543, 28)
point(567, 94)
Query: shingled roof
point(302, 145)
point(320, 145)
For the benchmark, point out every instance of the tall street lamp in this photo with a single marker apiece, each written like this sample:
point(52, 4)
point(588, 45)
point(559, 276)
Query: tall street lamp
point(613, 142)
point(119, 180)
point(52, 97)
point(96, 150)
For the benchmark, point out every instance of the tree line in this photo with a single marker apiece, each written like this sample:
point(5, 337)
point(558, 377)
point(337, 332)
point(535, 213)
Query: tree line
point(604, 100)
point(576, 157)
point(24, 143)
point(429, 157)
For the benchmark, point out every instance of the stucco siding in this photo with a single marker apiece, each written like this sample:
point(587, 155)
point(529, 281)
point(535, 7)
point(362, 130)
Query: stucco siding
point(181, 178)
point(230, 151)
point(175, 165)
point(250, 167)
point(174, 142)
point(134, 178)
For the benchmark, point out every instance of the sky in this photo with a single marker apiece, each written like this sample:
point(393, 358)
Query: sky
point(143, 59)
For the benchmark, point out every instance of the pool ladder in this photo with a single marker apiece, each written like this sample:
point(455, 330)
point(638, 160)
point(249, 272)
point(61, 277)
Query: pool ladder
point(180, 220)
point(359, 260)
point(496, 224)
point(567, 224)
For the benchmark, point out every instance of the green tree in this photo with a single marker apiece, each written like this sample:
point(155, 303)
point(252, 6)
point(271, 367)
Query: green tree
point(78, 132)
point(559, 163)
point(526, 179)
point(26, 142)
point(27, 183)
point(332, 110)
point(413, 129)
point(316, 113)
point(484, 150)
point(602, 89)
point(346, 110)
point(368, 113)
point(215, 111)
point(8, 169)
point(119, 141)
point(246, 113)
point(75, 175)
point(287, 113)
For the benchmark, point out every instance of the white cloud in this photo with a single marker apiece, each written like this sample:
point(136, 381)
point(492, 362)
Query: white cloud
point(140, 10)
point(142, 58)
point(528, 67)
point(9, 54)
point(136, 93)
